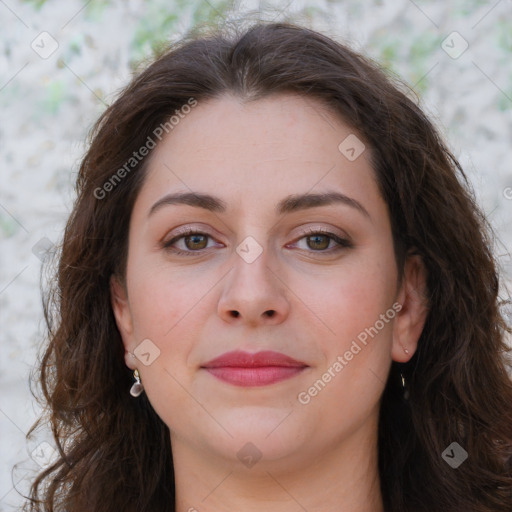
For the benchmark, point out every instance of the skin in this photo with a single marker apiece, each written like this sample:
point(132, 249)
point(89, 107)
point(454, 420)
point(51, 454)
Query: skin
point(321, 455)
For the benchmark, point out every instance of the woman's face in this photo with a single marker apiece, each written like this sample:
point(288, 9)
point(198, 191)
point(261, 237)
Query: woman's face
point(293, 254)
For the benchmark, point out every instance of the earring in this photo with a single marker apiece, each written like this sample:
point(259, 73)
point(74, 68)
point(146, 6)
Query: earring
point(405, 388)
point(137, 387)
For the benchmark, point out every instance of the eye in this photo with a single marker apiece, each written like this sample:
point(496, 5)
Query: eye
point(188, 242)
point(322, 241)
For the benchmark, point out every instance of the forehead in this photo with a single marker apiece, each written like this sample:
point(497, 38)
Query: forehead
point(259, 151)
point(273, 127)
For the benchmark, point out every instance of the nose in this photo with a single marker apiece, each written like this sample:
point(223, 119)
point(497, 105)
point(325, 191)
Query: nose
point(253, 294)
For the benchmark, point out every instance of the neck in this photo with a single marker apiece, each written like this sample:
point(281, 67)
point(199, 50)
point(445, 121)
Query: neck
point(344, 477)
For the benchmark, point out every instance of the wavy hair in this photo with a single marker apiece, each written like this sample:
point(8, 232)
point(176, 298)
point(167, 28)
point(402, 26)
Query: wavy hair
point(114, 451)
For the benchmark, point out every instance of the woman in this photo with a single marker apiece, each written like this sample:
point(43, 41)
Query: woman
point(275, 293)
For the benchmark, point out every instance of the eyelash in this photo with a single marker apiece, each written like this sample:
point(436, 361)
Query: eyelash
point(343, 243)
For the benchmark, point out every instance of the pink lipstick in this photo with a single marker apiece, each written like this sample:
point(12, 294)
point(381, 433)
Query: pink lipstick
point(260, 369)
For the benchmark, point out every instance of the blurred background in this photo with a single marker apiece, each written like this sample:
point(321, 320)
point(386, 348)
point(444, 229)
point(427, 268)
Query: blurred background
point(63, 61)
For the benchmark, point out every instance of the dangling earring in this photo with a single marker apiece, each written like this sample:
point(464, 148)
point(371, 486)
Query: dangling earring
point(405, 388)
point(137, 387)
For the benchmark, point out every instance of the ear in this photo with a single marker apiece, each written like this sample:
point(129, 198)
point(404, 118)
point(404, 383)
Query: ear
point(123, 316)
point(409, 321)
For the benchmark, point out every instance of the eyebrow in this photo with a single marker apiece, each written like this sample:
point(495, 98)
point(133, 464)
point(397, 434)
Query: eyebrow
point(289, 204)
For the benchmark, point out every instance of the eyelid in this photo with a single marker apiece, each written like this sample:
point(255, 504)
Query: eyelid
point(187, 230)
point(319, 229)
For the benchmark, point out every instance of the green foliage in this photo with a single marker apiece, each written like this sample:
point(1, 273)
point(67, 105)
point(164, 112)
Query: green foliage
point(210, 12)
point(504, 34)
point(36, 3)
point(505, 103)
point(93, 8)
point(8, 227)
point(56, 92)
point(161, 19)
point(387, 53)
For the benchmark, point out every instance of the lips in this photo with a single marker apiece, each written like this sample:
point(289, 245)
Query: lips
point(259, 369)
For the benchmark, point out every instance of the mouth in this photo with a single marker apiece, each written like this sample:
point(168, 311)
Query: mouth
point(259, 369)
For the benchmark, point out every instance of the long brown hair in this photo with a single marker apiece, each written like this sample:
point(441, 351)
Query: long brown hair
point(115, 451)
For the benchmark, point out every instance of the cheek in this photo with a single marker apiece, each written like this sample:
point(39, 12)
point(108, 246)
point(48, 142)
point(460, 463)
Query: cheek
point(163, 297)
point(167, 307)
point(350, 301)
point(356, 354)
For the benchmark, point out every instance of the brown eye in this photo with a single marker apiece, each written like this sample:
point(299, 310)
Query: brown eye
point(195, 242)
point(318, 241)
point(190, 243)
point(321, 242)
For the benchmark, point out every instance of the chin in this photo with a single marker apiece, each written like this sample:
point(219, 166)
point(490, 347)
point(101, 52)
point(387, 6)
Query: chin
point(271, 434)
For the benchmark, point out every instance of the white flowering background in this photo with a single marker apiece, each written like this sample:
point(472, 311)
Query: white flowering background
point(63, 61)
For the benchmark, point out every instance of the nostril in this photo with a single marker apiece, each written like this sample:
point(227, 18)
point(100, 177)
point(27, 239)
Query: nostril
point(270, 313)
point(235, 314)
